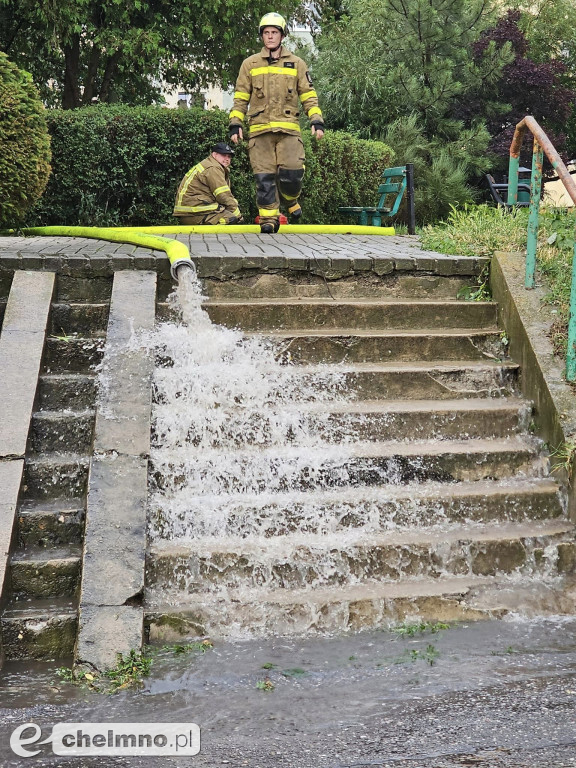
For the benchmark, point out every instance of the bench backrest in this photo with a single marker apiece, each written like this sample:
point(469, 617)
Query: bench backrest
point(393, 183)
point(499, 192)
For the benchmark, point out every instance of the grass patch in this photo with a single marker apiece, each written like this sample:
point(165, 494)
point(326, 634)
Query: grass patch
point(411, 629)
point(563, 456)
point(410, 656)
point(477, 230)
point(129, 672)
point(130, 669)
point(179, 649)
point(481, 230)
point(295, 672)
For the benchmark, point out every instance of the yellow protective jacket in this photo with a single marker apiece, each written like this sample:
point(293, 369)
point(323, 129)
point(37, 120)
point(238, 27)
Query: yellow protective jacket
point(271, 94)
point(205, 188)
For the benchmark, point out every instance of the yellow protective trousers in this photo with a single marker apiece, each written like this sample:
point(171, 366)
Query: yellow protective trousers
point(277, 161)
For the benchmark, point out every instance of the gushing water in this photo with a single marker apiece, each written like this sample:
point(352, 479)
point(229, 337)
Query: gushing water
point(255, 485)
point(232, 427)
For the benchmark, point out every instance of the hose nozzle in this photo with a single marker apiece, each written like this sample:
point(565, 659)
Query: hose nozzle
point(180, 267)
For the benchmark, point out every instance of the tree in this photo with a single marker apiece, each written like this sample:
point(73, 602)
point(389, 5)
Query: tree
point(526, 88)
point(25, 155)
point(550, 29)
point(390, 58)
point(79, 51)
point(397, 70)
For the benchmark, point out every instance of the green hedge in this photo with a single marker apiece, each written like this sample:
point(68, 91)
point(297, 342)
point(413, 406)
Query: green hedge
point(24, 144)
point(117, 165)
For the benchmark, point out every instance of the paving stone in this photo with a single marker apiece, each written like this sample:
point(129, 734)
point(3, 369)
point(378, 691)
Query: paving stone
point(145, 261)
point(122, 261)
point(10, 261)
point(383, 266)
point(425, 263)
point(445, 266)
point(231, 264)
point(299, 263)
point(52, 263)
point(404, 264)
point(274, 262)
point(209, 266)
point(31, 261)
point(363, 263)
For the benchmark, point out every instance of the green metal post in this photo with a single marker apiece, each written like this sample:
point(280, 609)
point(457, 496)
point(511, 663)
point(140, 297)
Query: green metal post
point(571, 353)
point(535, 192)
point(513, 166)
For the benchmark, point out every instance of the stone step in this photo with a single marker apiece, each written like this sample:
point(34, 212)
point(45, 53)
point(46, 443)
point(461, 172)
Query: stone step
point(55, 476)
point(38, 572)
point(72, 355)
point(62, 431)
point(91, 290)
point(39, 629)
point(259, 613)
point(353, 346)
point(369, 509)
point(253, 470)
point(339, 422)
point(67, 391)
point(298, 561)
point(418, 419)
point(407, 285)
point(67, 319)
point(51, 523)
point(276, 314)
point(440, 380)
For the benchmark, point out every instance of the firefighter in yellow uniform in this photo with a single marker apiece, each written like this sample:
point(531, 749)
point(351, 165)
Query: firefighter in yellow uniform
point(204, 195)
point(272, 87)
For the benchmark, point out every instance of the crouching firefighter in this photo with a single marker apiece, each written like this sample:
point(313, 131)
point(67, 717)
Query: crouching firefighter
point(204, 195)
point(270, 90)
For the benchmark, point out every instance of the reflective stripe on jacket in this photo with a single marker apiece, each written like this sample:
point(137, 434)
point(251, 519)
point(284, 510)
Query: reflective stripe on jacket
point(271, 94)
point(204, 188)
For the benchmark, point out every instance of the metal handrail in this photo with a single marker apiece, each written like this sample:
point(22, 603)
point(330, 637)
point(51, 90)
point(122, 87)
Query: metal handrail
point(542, 146)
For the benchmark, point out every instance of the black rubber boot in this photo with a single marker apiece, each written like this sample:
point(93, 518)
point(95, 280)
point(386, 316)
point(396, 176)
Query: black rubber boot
point(295, 214)
point(267, 229)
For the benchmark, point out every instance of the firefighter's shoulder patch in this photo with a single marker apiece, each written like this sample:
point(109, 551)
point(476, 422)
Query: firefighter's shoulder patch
point(308, 78)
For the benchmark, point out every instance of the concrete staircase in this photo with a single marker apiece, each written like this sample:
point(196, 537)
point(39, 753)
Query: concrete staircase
point(41, 591)
point(446, 508)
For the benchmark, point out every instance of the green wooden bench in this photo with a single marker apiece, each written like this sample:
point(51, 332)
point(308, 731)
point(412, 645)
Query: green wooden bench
point(391, 191)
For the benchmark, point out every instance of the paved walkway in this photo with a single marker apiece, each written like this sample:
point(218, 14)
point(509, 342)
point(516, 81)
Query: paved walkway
point(236, 245)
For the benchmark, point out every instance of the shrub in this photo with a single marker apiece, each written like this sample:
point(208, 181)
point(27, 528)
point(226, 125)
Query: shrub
point(24, 143)
point(122, 165)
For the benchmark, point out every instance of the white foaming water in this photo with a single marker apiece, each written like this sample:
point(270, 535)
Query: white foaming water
point(232, 429)
point(247, 467)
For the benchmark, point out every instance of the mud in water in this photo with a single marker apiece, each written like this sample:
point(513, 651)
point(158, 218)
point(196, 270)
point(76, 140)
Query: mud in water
point(495, 694)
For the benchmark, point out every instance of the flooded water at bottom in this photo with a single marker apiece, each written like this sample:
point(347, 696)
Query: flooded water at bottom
point(494, 693)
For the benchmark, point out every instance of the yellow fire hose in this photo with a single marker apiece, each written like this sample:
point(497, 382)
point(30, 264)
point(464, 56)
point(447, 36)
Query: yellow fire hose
point(177, 253)
point(254, 229)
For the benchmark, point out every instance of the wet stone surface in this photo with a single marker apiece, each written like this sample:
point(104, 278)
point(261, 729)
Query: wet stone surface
point(498, 694)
